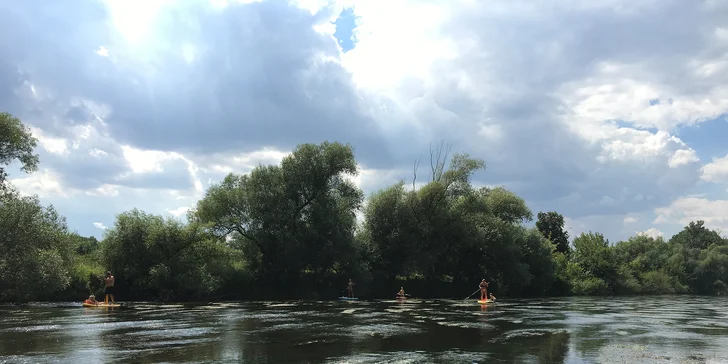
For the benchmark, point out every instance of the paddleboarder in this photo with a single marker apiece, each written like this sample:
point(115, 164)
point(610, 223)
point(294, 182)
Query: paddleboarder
point(350, 288)
point(400, 294)
point(109, 290)
point(483, 290)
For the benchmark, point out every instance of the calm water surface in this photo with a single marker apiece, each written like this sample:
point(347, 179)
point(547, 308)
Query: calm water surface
point(574, 330)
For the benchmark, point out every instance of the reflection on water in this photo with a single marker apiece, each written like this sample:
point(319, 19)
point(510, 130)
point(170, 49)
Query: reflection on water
point(576, 330)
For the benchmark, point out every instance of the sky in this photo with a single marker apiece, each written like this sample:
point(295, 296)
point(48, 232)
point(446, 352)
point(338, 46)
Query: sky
point(610, 112)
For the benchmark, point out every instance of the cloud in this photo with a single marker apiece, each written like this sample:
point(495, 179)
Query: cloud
point(543, 102)
point(716, 171)
point(630, 220)
point(178, 212)
point(181, 76)
point(652, 233)
point(686, 209)
point(576, 106)
point(101, 226)
point(45, 183)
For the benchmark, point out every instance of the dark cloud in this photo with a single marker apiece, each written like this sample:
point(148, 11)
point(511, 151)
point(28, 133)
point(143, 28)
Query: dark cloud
point(519, 56)
point(213, 83)
point(259, 76)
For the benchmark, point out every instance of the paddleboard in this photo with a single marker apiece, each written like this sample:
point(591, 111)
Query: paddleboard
point(348, 299)
point(484, 302)
point(401, 298)
point(101, 305)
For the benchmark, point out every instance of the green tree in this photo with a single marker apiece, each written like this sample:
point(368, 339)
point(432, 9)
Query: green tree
point(593, 261)
point(294, 220)
point(154, 257)
point(551, 225)
point(16, 143)
point(641, 262)
point(35, 250)
point(698, 257)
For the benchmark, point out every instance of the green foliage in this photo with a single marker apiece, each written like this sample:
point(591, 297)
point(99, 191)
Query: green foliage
point(291, 220)
point(151, 256)
point(35, 250)
point(290, 231)
point(16, 143)
point(551, 225)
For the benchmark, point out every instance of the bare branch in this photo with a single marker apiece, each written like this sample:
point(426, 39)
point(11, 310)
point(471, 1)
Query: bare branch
point(414, 178)
point(438, 160)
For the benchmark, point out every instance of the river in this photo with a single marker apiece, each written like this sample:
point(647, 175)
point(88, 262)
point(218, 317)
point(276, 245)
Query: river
point(564, 330)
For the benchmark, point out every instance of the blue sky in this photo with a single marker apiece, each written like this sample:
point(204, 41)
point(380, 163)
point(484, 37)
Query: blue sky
point(611, 112)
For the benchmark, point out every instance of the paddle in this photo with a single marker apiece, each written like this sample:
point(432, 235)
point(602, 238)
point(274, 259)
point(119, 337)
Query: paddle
point(471, 295)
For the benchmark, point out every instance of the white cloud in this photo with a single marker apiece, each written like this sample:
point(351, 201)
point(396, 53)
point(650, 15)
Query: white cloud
point(683, 157)
point(51, 144)
point(45, 183)
point(101, 226)
point(102, 51)
point(180, 211)
point(687, 209)
point(104, 190)
point(716, 171)
point(651, 232)
point(143, 161)
point(572, 104)
point(630, 220)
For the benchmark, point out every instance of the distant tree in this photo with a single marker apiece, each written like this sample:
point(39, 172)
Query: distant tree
point(16, 143)
point(700, 259)
point(551, 225)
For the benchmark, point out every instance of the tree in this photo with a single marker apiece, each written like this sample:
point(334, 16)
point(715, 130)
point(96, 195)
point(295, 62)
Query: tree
point(593, 256)
point(35, 250)
point(162, 258)
point(551, 225)
point(16, 143)
point(292, 220)
point(700, 259)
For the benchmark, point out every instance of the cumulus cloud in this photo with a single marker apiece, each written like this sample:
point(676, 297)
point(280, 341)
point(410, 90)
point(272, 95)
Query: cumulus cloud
point(716, 171)
point(178, 212)
point(652, 233)
point(684, 210)
point(630, 220)
point(576, 106)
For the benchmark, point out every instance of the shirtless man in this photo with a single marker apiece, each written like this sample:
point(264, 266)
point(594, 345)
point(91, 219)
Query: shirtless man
point(483, 290)
point(109, 290)
point(401, 292)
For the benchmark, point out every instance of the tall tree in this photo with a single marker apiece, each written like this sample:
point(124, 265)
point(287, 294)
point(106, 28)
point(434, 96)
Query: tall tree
point(293, 219)
point(16, 143)
point(35, 250)
point(551, 225)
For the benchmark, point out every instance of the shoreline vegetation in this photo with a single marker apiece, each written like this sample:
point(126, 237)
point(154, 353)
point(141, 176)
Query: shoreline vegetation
point(290, 231)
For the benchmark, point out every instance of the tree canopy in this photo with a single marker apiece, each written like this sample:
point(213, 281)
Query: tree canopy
point(302, 228)
point(16, 144)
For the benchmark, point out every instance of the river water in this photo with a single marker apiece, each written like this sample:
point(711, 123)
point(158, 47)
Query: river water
point(569, 330)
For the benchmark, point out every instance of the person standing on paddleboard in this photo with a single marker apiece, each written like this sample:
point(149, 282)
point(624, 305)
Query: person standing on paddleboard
point(109, 290)
point(350, 288)
point(483, 290)
point(401, 292)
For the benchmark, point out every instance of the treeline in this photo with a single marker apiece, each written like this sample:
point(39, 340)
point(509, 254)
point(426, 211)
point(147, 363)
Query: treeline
point(291, 231)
